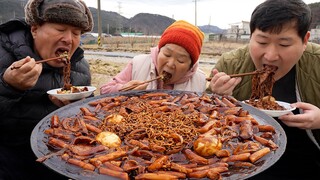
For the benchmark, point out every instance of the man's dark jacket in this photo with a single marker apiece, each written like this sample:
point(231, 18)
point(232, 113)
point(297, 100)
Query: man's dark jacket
point(21, 111)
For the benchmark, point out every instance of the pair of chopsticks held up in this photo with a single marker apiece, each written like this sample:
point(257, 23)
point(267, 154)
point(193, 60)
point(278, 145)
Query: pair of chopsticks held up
point(144, 82)
point(239, 75)
point(165, 76)
point(63, 56)
point(161, 77)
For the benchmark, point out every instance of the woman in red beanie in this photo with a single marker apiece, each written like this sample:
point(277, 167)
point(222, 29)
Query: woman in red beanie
point(176, 56)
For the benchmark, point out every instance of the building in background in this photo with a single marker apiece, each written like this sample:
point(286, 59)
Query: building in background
point(315, 35)
point(239, 31)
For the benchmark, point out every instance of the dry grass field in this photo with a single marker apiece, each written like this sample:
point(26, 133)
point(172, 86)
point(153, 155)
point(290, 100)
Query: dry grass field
point(143, 44)
point(104, 68)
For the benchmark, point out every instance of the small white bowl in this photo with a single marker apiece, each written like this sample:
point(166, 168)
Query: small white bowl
point(72, 96)
point(277, 113)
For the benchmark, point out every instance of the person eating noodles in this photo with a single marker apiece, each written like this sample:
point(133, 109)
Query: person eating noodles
point(173, 64)
point(280, 37)
point(50, 28)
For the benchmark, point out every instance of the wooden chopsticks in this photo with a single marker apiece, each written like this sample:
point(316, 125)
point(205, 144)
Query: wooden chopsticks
point(42, 61)
point(144, 82)
point(240, 74)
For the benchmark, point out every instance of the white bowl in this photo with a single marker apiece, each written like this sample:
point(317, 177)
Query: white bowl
point(72, 96)
point(277, 113)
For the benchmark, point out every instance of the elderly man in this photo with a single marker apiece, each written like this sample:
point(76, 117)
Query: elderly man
point(50, 28)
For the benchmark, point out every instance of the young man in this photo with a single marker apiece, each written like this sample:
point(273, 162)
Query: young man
point(279, 37)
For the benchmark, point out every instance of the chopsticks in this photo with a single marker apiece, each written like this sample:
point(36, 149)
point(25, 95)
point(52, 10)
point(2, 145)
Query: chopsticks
point(136, 85)
point(240, 74)
point(42, 61)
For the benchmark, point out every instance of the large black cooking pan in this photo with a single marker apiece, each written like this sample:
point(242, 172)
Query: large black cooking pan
point(39, 139)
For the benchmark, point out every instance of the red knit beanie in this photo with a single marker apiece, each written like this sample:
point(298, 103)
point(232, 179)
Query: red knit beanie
point(186, 35)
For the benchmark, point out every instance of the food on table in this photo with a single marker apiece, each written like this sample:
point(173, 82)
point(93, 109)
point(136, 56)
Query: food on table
point(72, 89)
point(65, 57)
point(159, 135)
point(108, 139)
point(266, 103)
point(114, 118)
point(66, 72)
point(165, 76)
point(262, 84)
point(67, 86)
point(207, 145)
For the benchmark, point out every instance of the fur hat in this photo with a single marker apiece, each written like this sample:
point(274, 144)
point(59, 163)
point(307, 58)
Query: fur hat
point(186, 35)
point(72, 12)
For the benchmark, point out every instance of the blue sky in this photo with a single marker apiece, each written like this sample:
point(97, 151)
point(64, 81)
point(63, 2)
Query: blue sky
point(220, 13)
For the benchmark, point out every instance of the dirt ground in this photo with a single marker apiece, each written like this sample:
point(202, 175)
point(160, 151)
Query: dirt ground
point(103, 68)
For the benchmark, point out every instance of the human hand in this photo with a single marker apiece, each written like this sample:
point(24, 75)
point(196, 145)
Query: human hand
point(310, 119)
point(140, 85)
point(223, 84)
point(24, 77)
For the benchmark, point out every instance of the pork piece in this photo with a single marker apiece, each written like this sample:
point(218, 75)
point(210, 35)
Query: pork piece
point(166, 76)
point(55, 121)
point(246, 130)
point(117, 174)
point(59, 133)
point(259, 154)
point(156, 176)
point(85, 146)
point(85, 150)
point(269, 71)
point(247, 147)
point(193, 157)
point(158, 163)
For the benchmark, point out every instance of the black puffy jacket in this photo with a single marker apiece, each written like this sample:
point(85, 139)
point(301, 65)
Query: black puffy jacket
point(21, 111)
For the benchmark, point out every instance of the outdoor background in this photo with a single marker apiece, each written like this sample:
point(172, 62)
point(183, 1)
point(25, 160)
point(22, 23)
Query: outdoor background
point(104, 67)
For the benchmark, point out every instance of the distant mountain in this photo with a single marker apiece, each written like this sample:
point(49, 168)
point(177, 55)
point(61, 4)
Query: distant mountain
point(111, 22)
point(212, 29)
point(114, 23)
point(149, 24)
point(10, 9)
